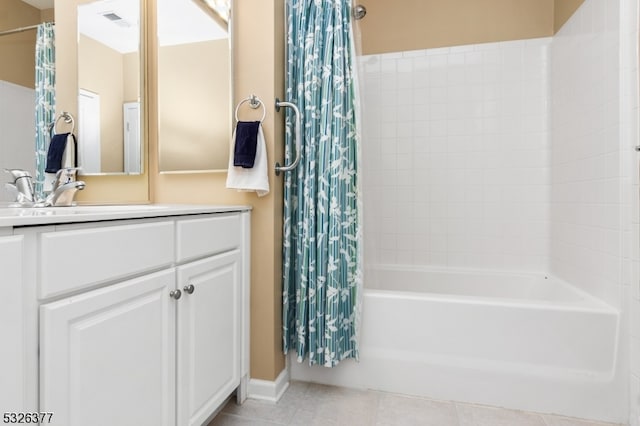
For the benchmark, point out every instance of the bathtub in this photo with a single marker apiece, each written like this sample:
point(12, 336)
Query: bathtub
point(521, 341)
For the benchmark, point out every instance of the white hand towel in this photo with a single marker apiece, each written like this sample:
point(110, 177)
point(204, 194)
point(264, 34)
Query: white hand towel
point(69, 156)
point(253, 179)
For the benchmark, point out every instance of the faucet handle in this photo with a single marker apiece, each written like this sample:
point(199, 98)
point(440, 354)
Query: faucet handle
point(69, 174)
point(17, 173)
point(68, 170)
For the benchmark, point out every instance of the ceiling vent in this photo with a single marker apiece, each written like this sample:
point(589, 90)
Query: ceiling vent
point(116, 19)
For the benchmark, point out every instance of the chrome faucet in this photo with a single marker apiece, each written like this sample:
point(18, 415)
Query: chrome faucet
point(21, 187)
point(64, 189)
point(63, 193)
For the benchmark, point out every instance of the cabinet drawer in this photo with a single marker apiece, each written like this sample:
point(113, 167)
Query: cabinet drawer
point(74, 259)
point(208, 235)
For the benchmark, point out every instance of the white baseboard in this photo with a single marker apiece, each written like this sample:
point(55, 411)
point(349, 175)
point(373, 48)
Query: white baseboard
point(266, 390)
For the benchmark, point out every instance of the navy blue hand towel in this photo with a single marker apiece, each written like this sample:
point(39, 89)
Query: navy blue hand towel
point(244, 152)
point(56, 150)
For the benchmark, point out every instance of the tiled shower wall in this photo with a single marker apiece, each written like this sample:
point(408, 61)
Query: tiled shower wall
point(595, 235)
point(586, 153)
point(455, 153)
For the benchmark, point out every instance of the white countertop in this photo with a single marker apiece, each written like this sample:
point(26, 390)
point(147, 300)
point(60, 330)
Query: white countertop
point(17, 216)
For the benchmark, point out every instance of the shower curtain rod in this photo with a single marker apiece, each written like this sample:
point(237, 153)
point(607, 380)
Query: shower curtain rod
point(21, 29)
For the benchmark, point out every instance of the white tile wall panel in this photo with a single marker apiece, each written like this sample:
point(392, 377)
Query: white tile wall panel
point(456, 151)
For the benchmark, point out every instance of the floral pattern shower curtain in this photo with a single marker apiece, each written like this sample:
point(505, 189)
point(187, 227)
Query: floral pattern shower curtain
point(45, 97)
point(322, 237)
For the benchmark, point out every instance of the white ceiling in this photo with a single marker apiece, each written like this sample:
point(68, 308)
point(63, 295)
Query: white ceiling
point(123, 36)
point(183, 21)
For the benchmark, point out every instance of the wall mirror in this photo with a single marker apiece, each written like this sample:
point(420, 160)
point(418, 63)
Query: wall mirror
point(194, 85)
point(109, 81)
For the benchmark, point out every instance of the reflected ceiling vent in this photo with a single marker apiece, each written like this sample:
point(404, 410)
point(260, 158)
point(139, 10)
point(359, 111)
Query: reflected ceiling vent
point(116, 19)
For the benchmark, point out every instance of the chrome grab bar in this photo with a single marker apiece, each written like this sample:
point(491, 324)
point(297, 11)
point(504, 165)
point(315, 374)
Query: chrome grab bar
point(298, 141)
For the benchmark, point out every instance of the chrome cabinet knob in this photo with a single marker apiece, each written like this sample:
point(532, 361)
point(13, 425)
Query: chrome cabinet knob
point(189, 288)
point(175, 294)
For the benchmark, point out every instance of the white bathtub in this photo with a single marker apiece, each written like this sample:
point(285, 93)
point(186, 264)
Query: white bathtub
point(511, 340)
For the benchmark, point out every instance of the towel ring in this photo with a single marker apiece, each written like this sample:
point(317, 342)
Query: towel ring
point(254, 103)
point(68, 118)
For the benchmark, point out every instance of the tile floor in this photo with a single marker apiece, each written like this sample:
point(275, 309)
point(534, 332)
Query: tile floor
point(311, 404)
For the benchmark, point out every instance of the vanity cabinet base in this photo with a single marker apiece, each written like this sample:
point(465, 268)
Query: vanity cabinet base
point(160, 342)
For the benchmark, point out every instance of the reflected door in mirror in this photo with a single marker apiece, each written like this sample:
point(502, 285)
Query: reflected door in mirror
point(132, 147)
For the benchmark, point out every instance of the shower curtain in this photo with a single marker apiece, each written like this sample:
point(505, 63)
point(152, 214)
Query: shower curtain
point(322, 271)
point(45, 98)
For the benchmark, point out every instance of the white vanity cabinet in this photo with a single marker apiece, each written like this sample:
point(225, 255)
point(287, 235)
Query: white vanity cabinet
point(13, 397)
point(141, 322)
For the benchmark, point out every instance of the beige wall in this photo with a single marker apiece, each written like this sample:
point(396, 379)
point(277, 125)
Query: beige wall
point(259, 70)
point(17, 51)
point(562, 11)
point(47, 15)
point(194, 102)
point(101, 71)
point(131, 72)
point(437, 23)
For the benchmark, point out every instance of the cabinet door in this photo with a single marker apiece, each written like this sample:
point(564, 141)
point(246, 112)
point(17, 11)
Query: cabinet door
point(208, 336)
point(107, 357)
point(12, 327)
